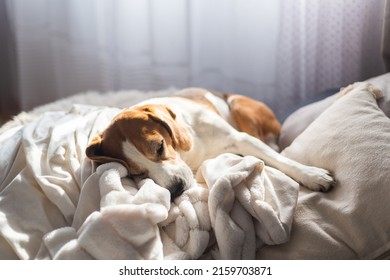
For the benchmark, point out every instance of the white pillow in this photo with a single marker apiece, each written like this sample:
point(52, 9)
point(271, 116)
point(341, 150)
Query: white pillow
point(301, 118)
point(383, 83)
point(297, 122)
point(351, 139)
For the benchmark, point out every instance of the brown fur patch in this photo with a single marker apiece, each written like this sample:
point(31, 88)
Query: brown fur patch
point(253, 117)
point(146, 127)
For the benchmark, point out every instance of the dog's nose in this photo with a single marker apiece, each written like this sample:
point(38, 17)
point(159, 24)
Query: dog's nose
point(177, 188)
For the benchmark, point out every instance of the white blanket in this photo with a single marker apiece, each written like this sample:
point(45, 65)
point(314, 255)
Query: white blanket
point(54, 205)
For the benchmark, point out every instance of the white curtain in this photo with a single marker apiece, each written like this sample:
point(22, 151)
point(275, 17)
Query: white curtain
point(278, 51)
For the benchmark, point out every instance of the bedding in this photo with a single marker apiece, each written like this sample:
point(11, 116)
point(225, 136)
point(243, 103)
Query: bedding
point(56, 204)
point(299, 120)
point(351, 139)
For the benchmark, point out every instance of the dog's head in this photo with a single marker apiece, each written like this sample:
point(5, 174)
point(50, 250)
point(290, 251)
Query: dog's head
point(147, 140)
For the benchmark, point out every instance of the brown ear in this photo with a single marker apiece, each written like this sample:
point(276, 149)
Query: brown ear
point(180, 135)
point(95, 152)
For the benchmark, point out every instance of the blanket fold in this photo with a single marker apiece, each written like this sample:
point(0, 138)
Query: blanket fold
point(55, 205)
point(249, 204)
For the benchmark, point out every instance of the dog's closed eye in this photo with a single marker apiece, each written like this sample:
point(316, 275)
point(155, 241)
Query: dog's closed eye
point(160, 149)
point(157, 149)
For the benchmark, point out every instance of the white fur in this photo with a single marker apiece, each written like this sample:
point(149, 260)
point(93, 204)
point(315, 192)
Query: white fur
point(164, 172)
point(222, 107)
point(212, 136)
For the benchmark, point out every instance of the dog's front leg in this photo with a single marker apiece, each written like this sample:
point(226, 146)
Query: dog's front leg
point(314, 178)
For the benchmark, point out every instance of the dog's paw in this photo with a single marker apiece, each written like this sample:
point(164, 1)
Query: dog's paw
point(317, 179)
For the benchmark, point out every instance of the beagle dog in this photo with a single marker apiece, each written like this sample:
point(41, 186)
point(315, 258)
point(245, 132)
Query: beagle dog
point(167, 139)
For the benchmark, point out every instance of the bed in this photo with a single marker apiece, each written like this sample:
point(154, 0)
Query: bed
point(57, 204)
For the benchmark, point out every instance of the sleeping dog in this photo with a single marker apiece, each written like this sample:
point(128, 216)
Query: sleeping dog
point(166, 139)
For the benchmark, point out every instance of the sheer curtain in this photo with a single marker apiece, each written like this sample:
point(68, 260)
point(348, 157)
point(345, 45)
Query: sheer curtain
point(278, 51)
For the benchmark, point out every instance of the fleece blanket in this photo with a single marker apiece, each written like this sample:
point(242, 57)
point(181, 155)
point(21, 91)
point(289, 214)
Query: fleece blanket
point(55, 204)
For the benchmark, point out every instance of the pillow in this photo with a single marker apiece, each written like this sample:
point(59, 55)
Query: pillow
point(297, 122)
point(351, 139)
point(301, 118)
point(383, 82)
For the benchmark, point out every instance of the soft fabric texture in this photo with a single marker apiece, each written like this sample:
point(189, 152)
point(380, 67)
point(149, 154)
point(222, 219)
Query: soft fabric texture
point(351, 139)
point(54, 205)
point(247, 201)
point(299, 120)
point(383, 83)
point(118, 99)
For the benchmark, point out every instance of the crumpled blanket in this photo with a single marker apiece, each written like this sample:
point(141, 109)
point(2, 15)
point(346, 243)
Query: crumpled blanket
point(250, 204)
point(54, 203)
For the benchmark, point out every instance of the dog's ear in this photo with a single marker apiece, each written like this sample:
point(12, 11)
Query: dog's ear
point(94, 151)
point(179, 133)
